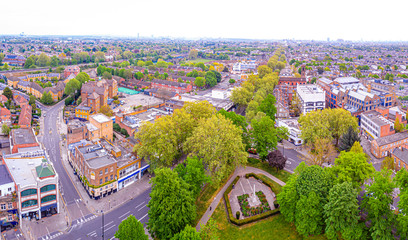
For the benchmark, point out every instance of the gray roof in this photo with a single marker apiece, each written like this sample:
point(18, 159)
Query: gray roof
point(4, 175)
point(171, 83)
point(100, 161)
point(391, 138)
point(23, 136)
point(402, 154)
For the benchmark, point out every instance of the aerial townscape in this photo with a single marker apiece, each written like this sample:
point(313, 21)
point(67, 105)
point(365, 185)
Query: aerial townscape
point(117, 135)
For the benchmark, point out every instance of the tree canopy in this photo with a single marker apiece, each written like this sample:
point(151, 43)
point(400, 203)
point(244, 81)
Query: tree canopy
point(130, 229)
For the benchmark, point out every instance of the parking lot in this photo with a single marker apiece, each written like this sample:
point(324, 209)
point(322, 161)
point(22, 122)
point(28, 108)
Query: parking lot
point(131, 101)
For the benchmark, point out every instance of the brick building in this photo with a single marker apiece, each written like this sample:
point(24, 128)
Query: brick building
point(71, 70)
point(24, 121)
point(22, 139)
point(384, 146)
point(400, 156)
point(5, 116)
point(171, 86)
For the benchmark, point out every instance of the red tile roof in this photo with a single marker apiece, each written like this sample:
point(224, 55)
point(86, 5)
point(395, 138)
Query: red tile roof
point(25, 116)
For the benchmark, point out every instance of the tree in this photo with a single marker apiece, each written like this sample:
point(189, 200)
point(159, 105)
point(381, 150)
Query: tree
point(138, 75)
point(377, 204)
point(352, 167)
point(193, 173)
point(193, 54)
point(309, 217)
point(8, 93)
point(107, 75)
point(188, 233)
point(320, 152)
point(43, 60)
point(241, 96)
point(210, 79)
point(328, 123)
point(131, 228)
point(398, 126)
point(288, 198)
point(83, 77)
point(171, 206)
point(276, 160)
point(222, 151)
point(209, 231)
point(32, 100)
point(388, 163)
point(341, 211)
point(264, 136)
point(348, 139)
point(140, 63)
point(199, 82)
point(106, 110)
point(47, 98)
point(231, 81)
point(240, 122)
point(263, 70)
point(5, 129)
point(99, 56)
point(72, 86)
point(282, 133)
point(268, 106)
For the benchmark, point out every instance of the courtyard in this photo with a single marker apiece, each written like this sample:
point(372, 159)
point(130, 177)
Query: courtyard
point(136, 100)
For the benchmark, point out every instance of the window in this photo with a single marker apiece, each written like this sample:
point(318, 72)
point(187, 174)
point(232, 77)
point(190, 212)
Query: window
point(29, 203)
point(9, 189)
point(100, 181)
point(111, 177)
point(3, 206)
point(10, 217)
point(48, 198)
point(106, 179)
point(100, 172)
point(106, 170)
point(10, 205)
point(28, 192)
point(48, 188)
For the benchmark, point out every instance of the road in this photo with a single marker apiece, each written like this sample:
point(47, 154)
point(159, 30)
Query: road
point(294, 158)
point(92, 229)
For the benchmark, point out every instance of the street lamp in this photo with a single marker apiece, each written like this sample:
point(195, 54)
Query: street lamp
point(103, 230)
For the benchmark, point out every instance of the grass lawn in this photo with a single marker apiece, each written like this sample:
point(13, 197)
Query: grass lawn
point(282, 175)
point(274, 227)
point(198, 60)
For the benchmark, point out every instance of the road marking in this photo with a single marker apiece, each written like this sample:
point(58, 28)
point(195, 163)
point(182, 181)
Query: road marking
point(124, 214)
point(141, 208)
point(108, 224)
point(91, 233)
point(139, 205)
point(109, 228)
point(143, 217)
point(288, 162)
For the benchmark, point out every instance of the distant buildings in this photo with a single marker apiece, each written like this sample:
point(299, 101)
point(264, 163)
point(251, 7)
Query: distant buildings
point(244, 66)
point(171, 86)
point(311, 97)
point(14, 60)
point(71, 70)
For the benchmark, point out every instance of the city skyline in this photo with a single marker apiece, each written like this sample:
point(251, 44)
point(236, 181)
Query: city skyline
point(312, 20)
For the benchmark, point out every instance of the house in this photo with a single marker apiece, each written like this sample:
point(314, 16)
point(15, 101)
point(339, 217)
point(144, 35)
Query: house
point(3, 99)
point(8, 203)
point(12, 81)
point(71, 70)
point(384, 146)
point(14, 60)
point(20, 100)
point(5, 116)
point(22, 140)
point(24, 121)
point(171, 86)
point(95, 94)
point(400, 156)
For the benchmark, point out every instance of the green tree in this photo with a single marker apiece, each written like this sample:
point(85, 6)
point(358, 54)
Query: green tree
point(171, 206)
point(221, 153)
point(231, 81)
point(264, 136)
point(199, 82)
point(140, 63)
point(209, 231)
point(388, 163)
point(32, 100)
point(348, 139)
point(54, 61)
point(43, 60)
point(72, 86)
point(309, 217)
point(341, 212)
point(138, 75)
point(130, 229)
point(83, 77)
point(107, 75)
point(268, 106)
point(5, 129)
point(106, 110)
point(377, 204)
point(282, 133)
point(210, 79)
point(352, 167)
point(8, 93)
point(240, 122)
point(188, 233)
point(398, 126)
point(47, 98)
point(288, 198)
point(193, 173)
point(263, 70)
point(241, 96)
point(295, 105)
point(401, 181)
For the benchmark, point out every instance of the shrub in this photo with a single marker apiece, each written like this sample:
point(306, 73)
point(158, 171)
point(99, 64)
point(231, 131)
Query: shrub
point(237, 214)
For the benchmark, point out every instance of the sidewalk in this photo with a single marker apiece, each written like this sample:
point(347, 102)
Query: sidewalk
point(109, 202)
point(241, 171)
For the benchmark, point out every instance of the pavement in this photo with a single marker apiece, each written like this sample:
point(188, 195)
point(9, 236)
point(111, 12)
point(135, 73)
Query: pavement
point(241, 171)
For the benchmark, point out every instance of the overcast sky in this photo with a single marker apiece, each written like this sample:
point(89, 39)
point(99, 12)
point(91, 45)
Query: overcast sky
point(270, 19)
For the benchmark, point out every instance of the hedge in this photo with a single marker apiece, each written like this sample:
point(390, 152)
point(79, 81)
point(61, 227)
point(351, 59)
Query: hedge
point(276, 188)
point(241, 222)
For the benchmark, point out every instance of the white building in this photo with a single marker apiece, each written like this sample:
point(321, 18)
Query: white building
point(312, 97)
point(292, 125)
point(36, 182)
point(244, 66)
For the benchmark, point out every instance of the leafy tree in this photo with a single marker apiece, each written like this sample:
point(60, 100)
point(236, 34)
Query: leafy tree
point(138, 75)
point(131, 228)
point(43, 60)
point(398, 126)
point(377, 204)
point(200, 109)
point(341, 211)
point(402, 218)
point(320, 152)
point(263, 70)
point(210, 79)
point(314, 178)
point(309, 217)
point(188, 233)
point(352, 167)
point(209, 231)
point(221, 153)
point(171, 206)
point(199, 82)
point(231, 81)
point(5, 129)
point(276, 160)
point(240, 122)
point(47, 98)
point(268, 106)
point(193, 173)
point(401, 180)
point(83, 77)
point(282, 133)
point(348, 139)
point(288, 198)
point(241, 96)
point(106, 110)
point(8, 93)
point(107, 75)
point(140, 63)
point(388, 163)
point(72, 86)
point(264, 136)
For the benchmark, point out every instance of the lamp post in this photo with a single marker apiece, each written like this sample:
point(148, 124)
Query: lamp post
point(103, 230)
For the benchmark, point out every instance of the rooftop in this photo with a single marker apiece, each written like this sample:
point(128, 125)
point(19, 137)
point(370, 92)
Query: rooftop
point(401, 154)
point(5, 177)
point(376, 118)
point(100, 118)
point(100, 161)
point(391, 138)
point(23, 136)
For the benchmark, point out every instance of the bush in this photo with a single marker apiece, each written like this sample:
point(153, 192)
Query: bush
point(253, 160)
point(232, 81)
point(276, 204)
point(237, 214)
point(116, 127)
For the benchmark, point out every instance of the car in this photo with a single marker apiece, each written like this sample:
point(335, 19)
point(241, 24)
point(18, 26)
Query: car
point(45, 115)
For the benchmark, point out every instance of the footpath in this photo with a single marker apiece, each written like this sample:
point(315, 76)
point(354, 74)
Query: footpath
point(241, 171)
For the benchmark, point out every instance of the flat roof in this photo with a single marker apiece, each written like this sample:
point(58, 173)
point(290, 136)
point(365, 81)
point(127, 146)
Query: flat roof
point(23, 170)
point(5, 177)
point(100, 161)
point(23, 136)
point(376, 118)
point(101, 118)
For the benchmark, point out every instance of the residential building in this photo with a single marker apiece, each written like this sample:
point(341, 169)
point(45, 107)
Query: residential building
point(36, 184)
point(20, 100)
point(5, 116)
point(8, 200)
point(71, 70)
point(293, 126)
point(23, 140)
point(171, 86)
point(95, 94)
point(3, 99)
point(380, 122)
point(24, 121)
point(400, 156)
point(104, 126)
point(312, 97)
point(14, 60)
point(244, 66)
point(83, 112)
point(384, 146)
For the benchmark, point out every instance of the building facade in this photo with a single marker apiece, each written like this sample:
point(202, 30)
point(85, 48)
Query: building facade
point(384, 146)
point(312, 97)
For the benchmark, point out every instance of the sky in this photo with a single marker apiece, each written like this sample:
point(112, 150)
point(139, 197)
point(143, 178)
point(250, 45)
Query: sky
point(367, 20)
